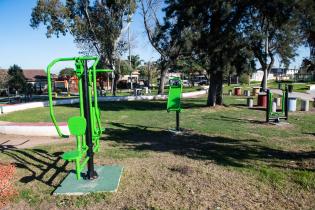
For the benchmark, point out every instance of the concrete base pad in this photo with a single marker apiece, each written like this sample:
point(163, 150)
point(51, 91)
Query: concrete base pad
point(181, 132)
point(281, 123)
point(107, 181)
point(175, 132)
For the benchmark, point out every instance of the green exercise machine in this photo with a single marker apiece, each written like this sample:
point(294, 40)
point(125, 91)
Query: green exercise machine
point(277, 116)
point(86, 127)
point(174, 97)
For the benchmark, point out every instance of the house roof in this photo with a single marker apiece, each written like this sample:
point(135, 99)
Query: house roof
point(34, 74)
point(135, 72)
point(30, 74)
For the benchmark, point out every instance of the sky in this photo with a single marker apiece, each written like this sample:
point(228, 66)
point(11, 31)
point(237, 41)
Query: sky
point(30, 49)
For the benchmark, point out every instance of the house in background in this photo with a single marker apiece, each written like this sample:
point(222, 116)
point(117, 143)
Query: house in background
point(36, 77)
point(283, 73)
point(134, 77)
point(275, 74)
point(124, 81)
point(259, 74)
point(70, 85)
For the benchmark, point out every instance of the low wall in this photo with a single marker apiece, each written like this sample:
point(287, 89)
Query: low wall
point(33, 129)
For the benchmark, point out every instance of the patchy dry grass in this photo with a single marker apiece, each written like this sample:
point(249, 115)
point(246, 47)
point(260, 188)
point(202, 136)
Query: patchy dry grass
point(228, 158)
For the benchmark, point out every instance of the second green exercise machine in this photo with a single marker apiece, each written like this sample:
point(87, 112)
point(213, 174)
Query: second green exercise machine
point(174, 98)
point(273, 115)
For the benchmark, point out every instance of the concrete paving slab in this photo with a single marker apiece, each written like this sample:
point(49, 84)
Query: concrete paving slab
point(107, 181)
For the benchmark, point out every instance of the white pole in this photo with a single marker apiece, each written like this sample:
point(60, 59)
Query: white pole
point(130, 54)
point(266, 60)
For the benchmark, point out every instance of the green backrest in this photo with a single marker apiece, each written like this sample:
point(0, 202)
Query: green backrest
point(174, 95)
point(77, 125)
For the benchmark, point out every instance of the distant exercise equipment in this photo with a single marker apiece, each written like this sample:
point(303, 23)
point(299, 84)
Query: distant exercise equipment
point(174, 98)
point(274, 115)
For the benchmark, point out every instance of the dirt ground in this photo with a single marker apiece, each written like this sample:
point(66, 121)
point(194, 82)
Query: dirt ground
point(167, 181)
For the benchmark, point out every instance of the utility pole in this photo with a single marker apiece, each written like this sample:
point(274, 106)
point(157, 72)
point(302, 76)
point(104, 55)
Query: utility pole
point(264, 87)
point(129, 20)
point(149, 72)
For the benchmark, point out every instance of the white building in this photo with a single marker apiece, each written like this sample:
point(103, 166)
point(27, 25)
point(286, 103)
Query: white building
point(258, 76)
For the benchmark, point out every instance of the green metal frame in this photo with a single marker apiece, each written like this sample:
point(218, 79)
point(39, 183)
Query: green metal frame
point(276, 116)
point(96, 128)
point(174, 94)
point(174, 98)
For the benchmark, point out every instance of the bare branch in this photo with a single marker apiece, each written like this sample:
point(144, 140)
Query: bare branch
point(145, 12)
point(91, 27)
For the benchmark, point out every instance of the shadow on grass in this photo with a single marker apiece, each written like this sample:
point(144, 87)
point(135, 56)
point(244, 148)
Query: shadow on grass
point(41, 165)
point(142, 105)
point(233, 119)
point(222, 150)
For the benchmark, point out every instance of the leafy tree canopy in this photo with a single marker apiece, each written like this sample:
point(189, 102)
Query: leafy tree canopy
point(135, 61)
point(67, 73)
point(17, 79)
point(95, 26)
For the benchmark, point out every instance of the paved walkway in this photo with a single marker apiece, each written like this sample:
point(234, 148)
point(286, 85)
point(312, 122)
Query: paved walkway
point(305, 96)
point(17, 141)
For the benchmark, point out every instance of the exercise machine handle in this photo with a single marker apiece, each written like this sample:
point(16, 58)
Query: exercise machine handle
point(51, 102)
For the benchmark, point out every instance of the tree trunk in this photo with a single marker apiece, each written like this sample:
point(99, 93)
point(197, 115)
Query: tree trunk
point(115, 81)
point(268, 68)
point(212, 90)
point(162, 81)
point(219, 88)
point(215, 93)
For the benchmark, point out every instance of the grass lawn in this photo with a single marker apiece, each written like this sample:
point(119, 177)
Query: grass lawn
point(226, 158)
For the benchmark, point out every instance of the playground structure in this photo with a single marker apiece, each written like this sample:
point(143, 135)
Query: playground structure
point(275, 116)
point(174, 97)
point(86, 127)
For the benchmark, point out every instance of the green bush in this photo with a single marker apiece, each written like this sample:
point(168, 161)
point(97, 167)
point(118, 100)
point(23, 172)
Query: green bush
point(244, 79)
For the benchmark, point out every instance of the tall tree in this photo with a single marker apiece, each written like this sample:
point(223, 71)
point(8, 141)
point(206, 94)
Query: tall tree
point(306, 13)
point(158, 32)
point(66, 74)
point(214, 35)
point(4, 77)
point(17, 79)
point(270, 29)
point(96, 26)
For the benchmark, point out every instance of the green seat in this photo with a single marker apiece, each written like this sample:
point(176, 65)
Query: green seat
point(72, 155)
point(77, 127)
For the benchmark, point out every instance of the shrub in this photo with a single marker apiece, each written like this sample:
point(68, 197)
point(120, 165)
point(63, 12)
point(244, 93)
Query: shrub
point(244, 79)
